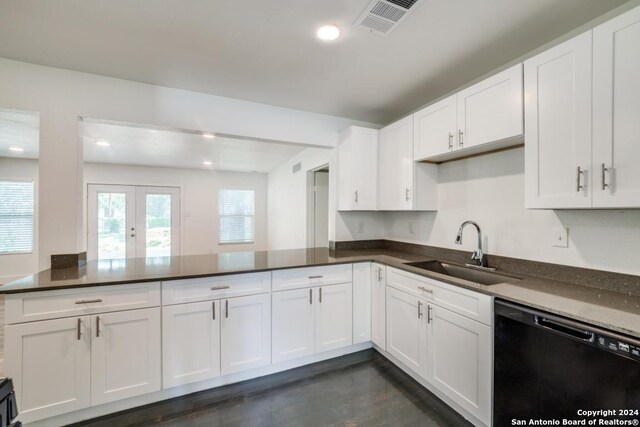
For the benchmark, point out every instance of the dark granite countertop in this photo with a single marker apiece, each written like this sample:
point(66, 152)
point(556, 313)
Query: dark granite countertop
point(612, 310)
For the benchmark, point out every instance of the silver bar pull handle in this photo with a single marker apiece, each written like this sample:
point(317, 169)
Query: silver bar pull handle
point(579, 174)
point(98, 327)
point(460, 138)
point(226, 308)
point(355, 196)
point(311, 296)
point(320, 291)
point(407, 194)
point(429, 318)
point(423, 289)
point(419, 309)
point(79, 329)
point(450, 141)
point(604, 178)
point(319, 276)
point(88, 301)
point(213, 309)
point(219, 288)
point(379, 274)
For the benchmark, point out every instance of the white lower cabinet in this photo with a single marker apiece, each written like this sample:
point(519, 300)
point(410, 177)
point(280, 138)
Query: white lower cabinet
point(334, 323)
point(245, 337)
point(378, 304)
point(312, 320)
point(459, 360)
point(406, 329)
point(293, 324)
point(361, 302)
point(125, 355)
point(50, 362)
point(190, 342)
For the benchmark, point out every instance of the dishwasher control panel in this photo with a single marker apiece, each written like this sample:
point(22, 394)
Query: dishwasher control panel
point(618, 346)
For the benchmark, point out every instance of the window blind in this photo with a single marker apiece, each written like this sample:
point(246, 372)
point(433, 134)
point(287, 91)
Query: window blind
point(16, 217)
point(236, 216)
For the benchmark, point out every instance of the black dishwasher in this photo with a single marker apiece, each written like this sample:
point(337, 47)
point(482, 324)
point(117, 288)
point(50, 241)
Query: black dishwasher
point(552, 369)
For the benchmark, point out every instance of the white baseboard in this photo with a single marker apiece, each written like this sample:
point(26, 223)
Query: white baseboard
point(108, 408)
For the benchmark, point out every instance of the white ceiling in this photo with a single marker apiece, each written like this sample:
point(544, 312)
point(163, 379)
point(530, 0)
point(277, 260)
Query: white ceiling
point(19, 129)
point(143, 146)
point(265, 51)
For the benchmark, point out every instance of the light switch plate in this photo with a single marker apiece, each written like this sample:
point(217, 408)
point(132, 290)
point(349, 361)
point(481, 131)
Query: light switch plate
point(560, 237)
point(360, 227)
point(412, 228)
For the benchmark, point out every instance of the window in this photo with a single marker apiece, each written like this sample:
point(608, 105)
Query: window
point(235, 212)
point(16, 217)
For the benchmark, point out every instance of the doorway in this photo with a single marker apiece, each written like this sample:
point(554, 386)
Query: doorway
point(129, 221)
point(318, 208)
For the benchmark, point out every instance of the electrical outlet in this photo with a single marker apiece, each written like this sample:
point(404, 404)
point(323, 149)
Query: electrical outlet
point(412, 229)
point(360, 227)
point(560, 237)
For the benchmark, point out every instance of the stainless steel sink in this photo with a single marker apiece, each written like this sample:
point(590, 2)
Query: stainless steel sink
point(470, 274)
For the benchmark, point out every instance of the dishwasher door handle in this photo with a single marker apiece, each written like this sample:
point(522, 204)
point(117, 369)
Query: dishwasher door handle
point(564, 329)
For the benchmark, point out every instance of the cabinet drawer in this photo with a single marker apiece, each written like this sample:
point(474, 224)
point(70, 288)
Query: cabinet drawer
point(468, 303)
point(311, 276)
point(76, 302)
point(209, 288)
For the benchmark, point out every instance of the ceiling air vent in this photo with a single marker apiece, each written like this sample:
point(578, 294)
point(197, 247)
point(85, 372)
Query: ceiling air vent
point(382, 16)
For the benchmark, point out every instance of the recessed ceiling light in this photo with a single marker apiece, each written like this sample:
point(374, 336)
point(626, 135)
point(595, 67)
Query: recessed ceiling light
point(207, 163)
point(103, 143)
point(328, 33)
point(16, 149)
point(208, 135)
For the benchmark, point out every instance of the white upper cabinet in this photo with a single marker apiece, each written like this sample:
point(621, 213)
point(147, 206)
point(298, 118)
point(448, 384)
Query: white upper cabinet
point(582, 103)
point(483, 117)
point(558, 126)
point(491, 110)
point(616, 112)
point(404, 185)
point(435, 129)
point(357, 169)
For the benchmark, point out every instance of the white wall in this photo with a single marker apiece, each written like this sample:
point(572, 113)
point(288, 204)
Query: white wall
point(490, 190)
point(287, 199)
point(14, 266)
point(199, 200)
point(60, 96)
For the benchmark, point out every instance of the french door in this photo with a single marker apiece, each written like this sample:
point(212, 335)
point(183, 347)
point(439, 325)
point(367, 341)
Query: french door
point(127, 221)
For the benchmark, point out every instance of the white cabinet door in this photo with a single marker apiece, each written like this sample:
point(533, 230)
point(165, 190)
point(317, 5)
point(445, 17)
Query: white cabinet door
point(616, 112)
point(245, 333)
point(491, 110)
point(334, 323)
point(378, 303)
point(125, 354)
point(190, 342)
point(406, 334)
point(558, 126)
point(50, 364)
point(357, 169)
point(293, 324)
point(395, 166)
point(361, 302)
point(434, 129)
point(459, 360)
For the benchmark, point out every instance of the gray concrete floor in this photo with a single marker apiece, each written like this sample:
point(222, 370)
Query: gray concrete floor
point(363, 389)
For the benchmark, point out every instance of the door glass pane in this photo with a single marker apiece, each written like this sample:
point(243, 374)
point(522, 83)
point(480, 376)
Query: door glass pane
point(158, 225)
point(112, 233)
